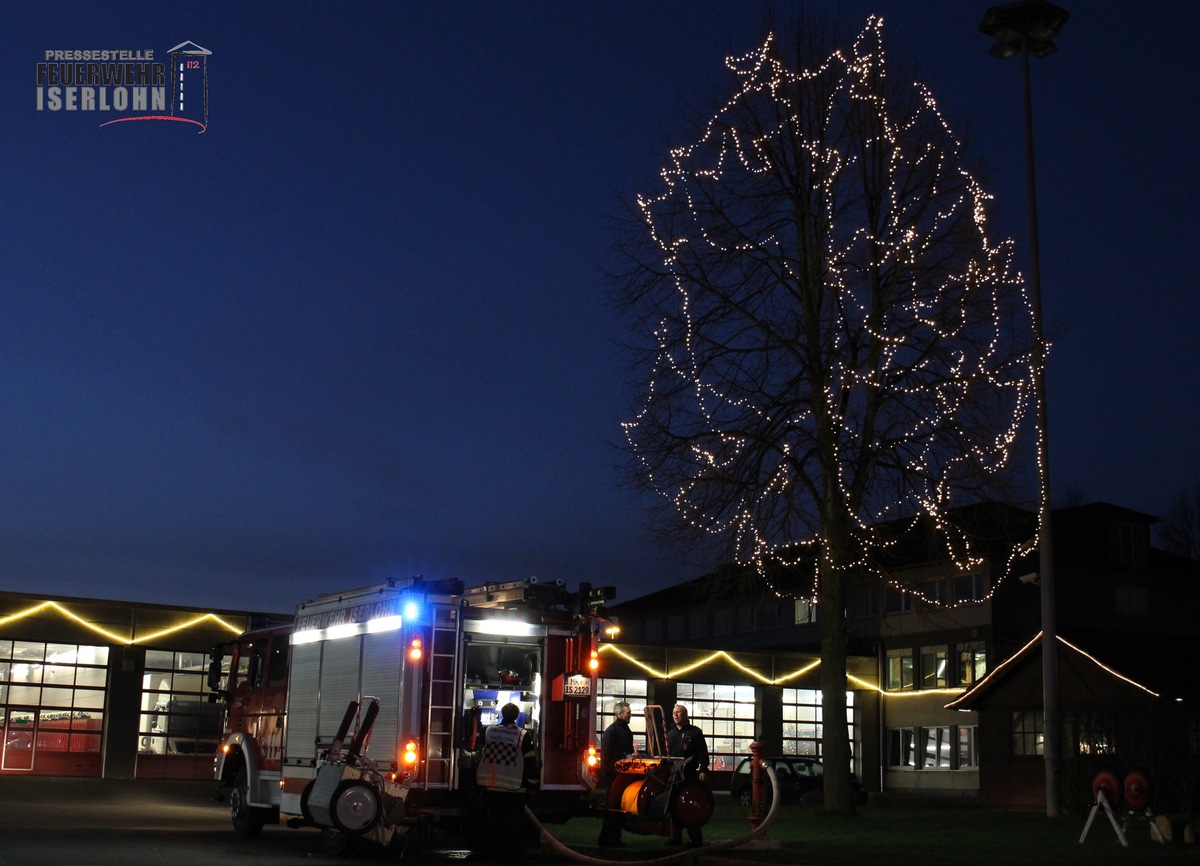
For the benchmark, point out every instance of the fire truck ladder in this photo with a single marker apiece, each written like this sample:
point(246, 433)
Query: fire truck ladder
point(444, 687)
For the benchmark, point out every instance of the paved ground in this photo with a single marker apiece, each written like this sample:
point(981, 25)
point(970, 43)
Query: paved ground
point(98, 822)
point(95, 822)
point(92, 822)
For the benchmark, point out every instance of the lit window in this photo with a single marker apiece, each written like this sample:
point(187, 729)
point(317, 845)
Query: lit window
point(726, 715)
point(802, 729)
point(177, 718)
point(934, 674)
point(972, 662)
point(968, 747)
point(902, 748)
point(899, 670)
point(937, 748)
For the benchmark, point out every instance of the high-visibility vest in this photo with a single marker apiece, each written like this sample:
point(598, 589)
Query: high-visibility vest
point(502, 763)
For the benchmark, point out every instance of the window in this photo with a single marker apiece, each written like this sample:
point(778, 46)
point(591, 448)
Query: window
point(63, 686)
point(1094, 733)
point(654, 630)
point(772, 615)
point(1131, 600)
point(902, 747)
point(937, 748)
point(698, 623)
point(970, 587)
point(723, 621)
point(896, 600)
point(972, 662)
point(932, 592)
point(968, 747)
point(934, 673)
point(746, 618)
point(1028, 732)
point(1126, 542)
point(806, 612)
point(802, 722)
point(948, 747)
point(675, 627)
point(633, 692)
point(899, 670)
point(177, 718)
point(864, 602)
point(726, 715)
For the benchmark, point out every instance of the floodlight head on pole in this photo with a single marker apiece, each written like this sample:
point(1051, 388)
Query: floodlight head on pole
point(1027, 25)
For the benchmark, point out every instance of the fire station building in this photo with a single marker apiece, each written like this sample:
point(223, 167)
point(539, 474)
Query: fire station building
point(108, 688)
point(113, 689)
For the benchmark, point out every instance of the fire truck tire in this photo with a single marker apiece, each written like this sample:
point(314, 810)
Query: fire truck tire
point(354, 808)
point(246, 823)
point(304, 795)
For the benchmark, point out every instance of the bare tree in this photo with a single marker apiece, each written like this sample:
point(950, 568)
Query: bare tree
point(1180, 529)
point(829, 341)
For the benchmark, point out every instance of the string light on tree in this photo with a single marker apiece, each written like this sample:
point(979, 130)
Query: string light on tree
point(922, 344)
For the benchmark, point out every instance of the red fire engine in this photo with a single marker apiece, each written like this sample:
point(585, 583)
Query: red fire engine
point(362, 717)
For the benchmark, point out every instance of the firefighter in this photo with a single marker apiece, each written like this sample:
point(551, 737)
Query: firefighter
point(685, 740)
point(507, 770)
point(615, 745)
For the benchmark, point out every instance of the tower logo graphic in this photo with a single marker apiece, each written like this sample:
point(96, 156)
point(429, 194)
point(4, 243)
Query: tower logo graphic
point(189, 87)
point(127, 82)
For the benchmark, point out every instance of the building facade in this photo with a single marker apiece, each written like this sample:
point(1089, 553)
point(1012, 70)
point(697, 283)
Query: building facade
point(739, 697)
point(109, 689)
point(933, 631)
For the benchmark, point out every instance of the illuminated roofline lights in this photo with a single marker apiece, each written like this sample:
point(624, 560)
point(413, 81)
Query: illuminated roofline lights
point(1106, 668)
point(1037, 637)
point(722, 655)
point(112, 636)
point(718, 655)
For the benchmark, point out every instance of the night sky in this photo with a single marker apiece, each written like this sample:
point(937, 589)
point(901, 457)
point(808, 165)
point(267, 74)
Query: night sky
point(360, 327)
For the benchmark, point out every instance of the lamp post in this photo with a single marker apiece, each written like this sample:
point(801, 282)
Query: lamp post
point(1029, 27)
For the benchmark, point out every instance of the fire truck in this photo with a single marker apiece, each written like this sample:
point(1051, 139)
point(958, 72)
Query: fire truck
point(364, 716)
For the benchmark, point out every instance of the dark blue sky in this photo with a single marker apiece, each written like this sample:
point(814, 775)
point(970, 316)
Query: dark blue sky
point(359, 327)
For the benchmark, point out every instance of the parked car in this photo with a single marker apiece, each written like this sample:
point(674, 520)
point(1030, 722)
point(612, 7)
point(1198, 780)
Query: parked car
point(797, 776)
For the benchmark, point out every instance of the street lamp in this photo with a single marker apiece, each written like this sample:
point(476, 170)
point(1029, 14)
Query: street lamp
point(1029, 27)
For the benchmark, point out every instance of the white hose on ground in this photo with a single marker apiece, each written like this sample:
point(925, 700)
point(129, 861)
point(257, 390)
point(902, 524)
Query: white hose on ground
point(723, 845)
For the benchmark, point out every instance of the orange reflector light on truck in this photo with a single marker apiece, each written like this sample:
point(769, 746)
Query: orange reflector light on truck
point(592, 759)
point(410, 753)
point(594, 662)
point(415, 650)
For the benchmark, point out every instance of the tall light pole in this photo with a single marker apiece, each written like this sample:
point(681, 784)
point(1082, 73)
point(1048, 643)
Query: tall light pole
point(1029, 27)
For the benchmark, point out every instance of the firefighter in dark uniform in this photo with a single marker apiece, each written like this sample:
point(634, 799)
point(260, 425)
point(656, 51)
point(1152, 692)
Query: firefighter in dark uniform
point(685, 740)
point(507, 770)
point(615, 744)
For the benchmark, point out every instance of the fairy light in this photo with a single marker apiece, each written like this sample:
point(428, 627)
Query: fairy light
point(112, 636)
point(939, 346)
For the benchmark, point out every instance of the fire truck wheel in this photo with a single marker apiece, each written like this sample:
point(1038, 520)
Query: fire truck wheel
point(354, 807)
point(245, 823)
point(304, 795)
